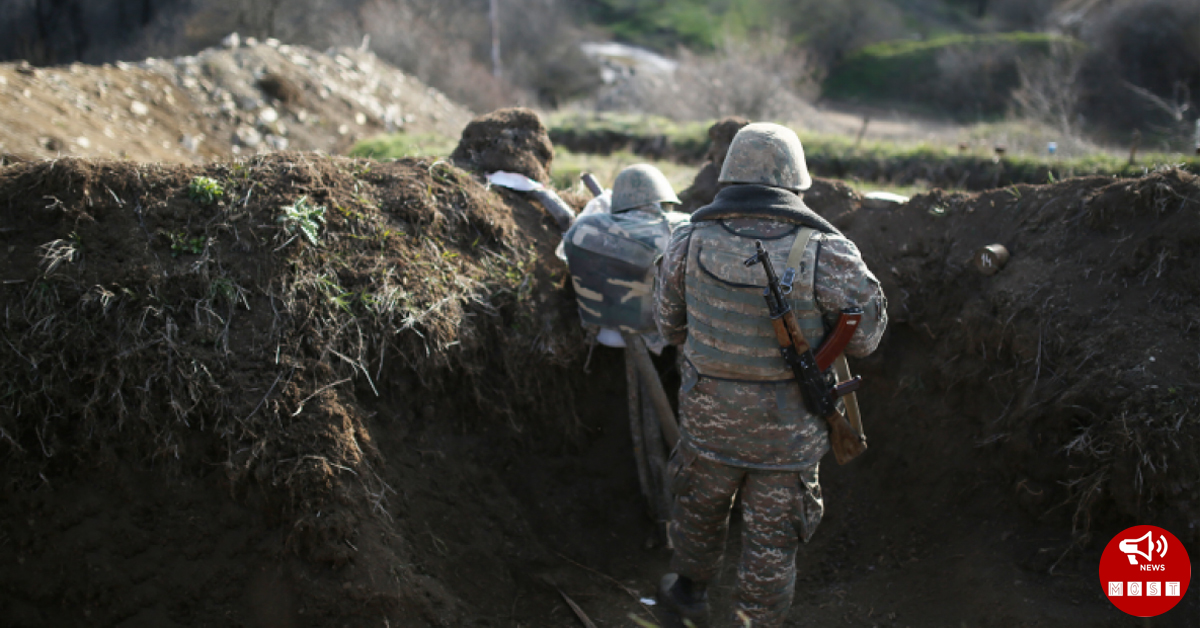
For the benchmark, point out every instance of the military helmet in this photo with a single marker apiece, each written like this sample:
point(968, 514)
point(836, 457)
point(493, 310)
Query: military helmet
point(641, 185)
point(767, 154)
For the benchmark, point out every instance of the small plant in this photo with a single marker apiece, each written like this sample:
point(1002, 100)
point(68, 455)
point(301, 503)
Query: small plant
point(181, 243)
point(303, 216)
point(56, 252)
point(205, 191)
point(225, 289)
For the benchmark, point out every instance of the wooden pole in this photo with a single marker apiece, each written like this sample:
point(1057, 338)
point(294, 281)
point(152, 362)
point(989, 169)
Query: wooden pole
point(653, 385)
point(862, 131)
point(632, 383)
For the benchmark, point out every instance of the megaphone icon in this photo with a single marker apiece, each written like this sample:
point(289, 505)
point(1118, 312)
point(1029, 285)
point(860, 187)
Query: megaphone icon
point(1129, 546)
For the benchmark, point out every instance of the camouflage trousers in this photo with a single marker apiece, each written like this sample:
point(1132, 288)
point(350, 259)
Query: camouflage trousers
point(779, 509)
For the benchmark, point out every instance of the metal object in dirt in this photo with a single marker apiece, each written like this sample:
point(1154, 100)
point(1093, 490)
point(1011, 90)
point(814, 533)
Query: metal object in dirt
point(766, 154)
point(640, 185)
point(990, 259)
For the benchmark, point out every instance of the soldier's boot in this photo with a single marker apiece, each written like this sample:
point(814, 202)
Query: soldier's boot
point(683, 603)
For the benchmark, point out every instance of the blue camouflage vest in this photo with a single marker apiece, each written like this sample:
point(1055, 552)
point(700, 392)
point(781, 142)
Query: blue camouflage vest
point(612, 262)
point(729, 328)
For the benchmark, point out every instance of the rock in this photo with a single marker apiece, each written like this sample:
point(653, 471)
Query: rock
point(277, 143)
point(268, 116)
point(247, 136)
point(360, 118)
point(191, 143)
point(231, 41)
point(249, 103)
point(138, 108)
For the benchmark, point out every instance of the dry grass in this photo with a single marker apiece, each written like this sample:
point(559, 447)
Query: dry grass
point(257, 349)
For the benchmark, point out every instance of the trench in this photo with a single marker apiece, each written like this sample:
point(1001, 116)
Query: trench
point(925, 529)
point(960, 514)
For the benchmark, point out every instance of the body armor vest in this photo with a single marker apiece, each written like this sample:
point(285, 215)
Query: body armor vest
point(729, 328)
point(611, 258)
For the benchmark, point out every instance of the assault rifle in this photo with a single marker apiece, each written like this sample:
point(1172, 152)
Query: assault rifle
point(819, 396)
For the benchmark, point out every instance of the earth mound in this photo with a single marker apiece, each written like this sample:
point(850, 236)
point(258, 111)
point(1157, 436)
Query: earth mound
point(513, 140)
point(704, 188)
point(240, 99)
point(285, 331)
point(1074, 365)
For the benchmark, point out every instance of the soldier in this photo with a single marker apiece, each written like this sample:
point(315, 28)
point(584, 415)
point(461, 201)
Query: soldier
point(744, 427)
point(611, 256)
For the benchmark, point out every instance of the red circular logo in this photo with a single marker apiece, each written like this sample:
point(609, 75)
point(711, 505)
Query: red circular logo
point(1145, 571)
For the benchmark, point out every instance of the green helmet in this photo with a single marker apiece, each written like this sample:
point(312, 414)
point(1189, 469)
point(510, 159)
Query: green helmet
point(641, 185)
point(767, 154)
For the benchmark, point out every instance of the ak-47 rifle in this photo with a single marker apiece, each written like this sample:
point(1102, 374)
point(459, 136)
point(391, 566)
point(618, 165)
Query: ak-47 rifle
point(820, 397)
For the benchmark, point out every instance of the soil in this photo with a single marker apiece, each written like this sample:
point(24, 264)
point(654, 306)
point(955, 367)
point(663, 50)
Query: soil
point(705, 187)
point(222, 102)
point(512, 140)
point(209, 420)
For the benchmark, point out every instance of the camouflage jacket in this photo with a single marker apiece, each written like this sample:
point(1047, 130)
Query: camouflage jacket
point(755, 418)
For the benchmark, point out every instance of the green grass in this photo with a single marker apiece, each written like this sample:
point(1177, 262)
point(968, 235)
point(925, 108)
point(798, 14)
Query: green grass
point(400, 145)
point(666, 24)
point(686, 139)
point(568, 166)
point(894, 166)
point(887, 165)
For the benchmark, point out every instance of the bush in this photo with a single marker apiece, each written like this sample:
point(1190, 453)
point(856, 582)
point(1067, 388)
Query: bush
point(762, 81)
point(965, 75)
point(1143, 70)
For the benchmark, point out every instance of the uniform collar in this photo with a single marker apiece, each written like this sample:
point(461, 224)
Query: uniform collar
point(761, 201)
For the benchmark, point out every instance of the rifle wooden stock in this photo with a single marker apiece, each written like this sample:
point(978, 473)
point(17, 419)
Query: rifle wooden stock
point(846, 442)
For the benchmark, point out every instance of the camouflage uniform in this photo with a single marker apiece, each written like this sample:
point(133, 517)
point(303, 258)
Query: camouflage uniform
point(611, 254)
point(611, 257)
point(744, 426)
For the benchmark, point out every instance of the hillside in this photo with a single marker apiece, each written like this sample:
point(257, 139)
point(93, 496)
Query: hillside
point(237, 99)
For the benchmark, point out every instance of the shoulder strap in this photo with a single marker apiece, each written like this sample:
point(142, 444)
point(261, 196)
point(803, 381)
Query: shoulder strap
point(792, 267)
point(798, 246)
